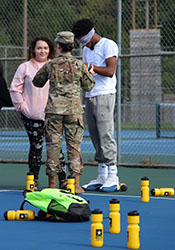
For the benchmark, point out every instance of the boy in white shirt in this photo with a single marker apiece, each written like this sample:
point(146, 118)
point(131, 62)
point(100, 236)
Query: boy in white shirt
point(102, 53)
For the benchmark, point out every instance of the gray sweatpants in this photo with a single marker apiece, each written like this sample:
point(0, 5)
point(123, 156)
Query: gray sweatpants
point(99, 114)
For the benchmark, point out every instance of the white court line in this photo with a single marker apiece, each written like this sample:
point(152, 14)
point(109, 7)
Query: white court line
point(9, 190)
point(132, 196)
point(127, 196)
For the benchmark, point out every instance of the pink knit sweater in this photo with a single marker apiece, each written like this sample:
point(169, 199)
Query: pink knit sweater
point(28, 99)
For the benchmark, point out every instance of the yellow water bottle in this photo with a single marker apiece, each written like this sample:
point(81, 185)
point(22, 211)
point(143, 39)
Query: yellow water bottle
point(123, 187)
point(97, 228)
point(133, 230)
point(162, 191)
point(155, 191)
point(145, 189)
point(71, 184)
point(19, 215)
point(114, 216)
point(10, 215)
point(30, 182)
point(166, 191)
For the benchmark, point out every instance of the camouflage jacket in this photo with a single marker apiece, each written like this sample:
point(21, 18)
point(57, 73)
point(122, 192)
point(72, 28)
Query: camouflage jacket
point(67, 76)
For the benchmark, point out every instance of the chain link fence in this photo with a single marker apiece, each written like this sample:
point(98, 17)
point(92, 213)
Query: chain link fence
point(147, 69)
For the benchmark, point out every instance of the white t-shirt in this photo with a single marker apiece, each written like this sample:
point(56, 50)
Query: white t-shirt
point(104, 49)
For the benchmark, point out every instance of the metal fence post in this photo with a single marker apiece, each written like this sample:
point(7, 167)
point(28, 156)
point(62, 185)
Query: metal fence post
point(119, 82)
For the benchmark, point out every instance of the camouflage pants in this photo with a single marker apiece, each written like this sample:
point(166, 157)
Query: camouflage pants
point(73, 128)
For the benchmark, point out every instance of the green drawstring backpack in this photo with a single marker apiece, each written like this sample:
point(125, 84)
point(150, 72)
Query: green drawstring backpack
point(58, 205)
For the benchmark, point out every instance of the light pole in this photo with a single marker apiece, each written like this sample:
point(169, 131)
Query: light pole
point(25, 30)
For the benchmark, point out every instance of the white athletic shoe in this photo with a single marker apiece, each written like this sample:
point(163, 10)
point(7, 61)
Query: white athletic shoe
point(95, 184)
point(111, 184)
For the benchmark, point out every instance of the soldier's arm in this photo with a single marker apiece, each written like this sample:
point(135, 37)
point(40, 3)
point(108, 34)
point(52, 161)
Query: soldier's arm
point(41, 77)
point(88, 81)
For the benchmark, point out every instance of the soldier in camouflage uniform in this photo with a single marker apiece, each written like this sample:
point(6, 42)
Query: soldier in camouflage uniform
point(64, 110)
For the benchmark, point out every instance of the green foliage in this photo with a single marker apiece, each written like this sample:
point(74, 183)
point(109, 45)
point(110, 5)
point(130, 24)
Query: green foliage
point(4, 38)
point(168, 66)
point(166, 21)
point(48, 17)
point(10, 16)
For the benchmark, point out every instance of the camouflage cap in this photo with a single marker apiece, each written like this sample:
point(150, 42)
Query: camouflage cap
point(65, 37)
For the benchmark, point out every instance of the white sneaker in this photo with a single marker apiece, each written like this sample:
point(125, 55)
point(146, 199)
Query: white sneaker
point(111, 184)
point(95, 184)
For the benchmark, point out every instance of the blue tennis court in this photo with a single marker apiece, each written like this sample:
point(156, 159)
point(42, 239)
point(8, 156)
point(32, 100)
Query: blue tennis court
point(156, 225)
point(154, 147)
point(136, 147)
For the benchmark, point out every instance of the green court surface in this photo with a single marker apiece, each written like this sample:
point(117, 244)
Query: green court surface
point(13, 176)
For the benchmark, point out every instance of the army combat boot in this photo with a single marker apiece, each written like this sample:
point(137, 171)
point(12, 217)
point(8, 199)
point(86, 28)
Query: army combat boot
point(52, 181)
point(78, 188)
point(62, 180)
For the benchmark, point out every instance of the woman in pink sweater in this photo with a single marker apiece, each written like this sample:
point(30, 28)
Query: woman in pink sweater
point(31, 101)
